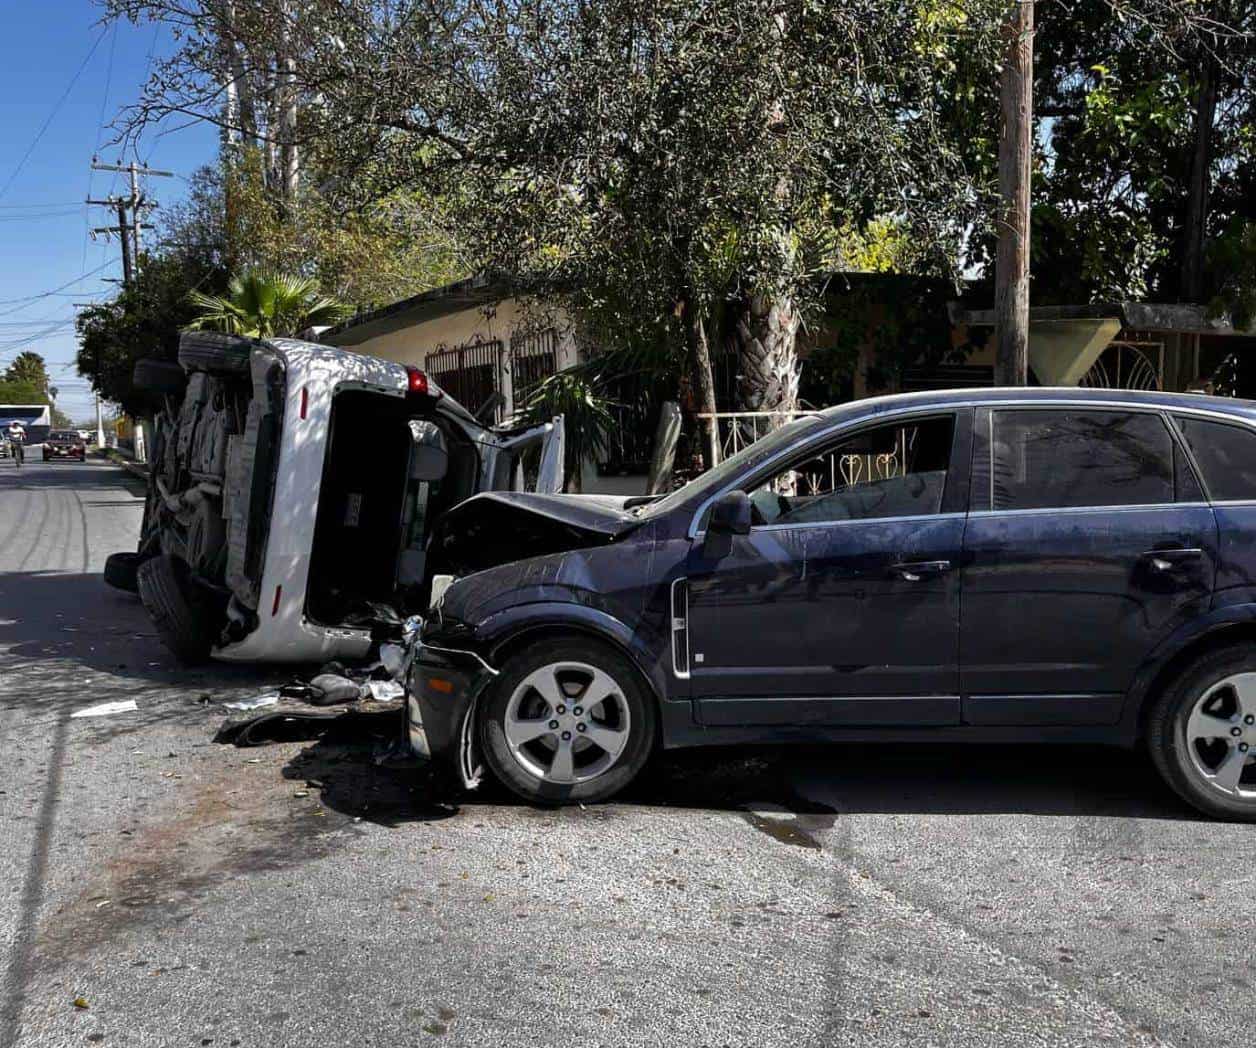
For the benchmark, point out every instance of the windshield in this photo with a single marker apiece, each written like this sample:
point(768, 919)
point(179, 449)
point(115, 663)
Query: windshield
point(63, 434)
point(714, 479)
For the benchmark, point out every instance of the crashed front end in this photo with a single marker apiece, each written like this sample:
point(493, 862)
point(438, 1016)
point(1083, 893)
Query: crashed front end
point(499, 551)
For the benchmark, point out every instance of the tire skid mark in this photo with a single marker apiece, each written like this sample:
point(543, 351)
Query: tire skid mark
point(82, 514)
point(18, 970)
point(37, 531)
point(23, 516)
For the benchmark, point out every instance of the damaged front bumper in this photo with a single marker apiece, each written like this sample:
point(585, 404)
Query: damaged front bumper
point(443, 688)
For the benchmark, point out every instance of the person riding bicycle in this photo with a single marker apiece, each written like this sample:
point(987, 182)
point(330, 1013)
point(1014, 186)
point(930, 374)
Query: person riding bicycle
point(16, 435)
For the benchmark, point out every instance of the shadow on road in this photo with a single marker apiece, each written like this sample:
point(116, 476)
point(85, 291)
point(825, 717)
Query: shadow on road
point(865, 779)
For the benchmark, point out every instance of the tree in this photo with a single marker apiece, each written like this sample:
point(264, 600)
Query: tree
point(28, 368)
point(675, 173)
point(267, 305)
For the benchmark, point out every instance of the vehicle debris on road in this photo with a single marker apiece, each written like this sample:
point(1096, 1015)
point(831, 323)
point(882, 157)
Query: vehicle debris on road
point(105, 709)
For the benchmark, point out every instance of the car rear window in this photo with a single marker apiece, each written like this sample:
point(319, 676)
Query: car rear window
point(1226, 455)
point(1044, 459)
point(61, 434)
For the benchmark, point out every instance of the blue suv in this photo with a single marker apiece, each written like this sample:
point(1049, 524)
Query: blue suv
point(997, 565)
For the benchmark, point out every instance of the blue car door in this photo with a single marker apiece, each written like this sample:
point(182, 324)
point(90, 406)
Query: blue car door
point(841, 607)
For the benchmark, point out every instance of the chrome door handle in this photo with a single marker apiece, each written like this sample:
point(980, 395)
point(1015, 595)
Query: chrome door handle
point(914, 571)
point(1164, 559)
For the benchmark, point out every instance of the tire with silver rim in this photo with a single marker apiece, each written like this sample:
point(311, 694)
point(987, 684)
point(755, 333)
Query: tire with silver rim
point(567, 722)
point(1202, 734)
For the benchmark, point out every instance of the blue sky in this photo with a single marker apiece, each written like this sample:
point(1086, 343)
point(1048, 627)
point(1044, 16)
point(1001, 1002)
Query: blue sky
point(43, 220)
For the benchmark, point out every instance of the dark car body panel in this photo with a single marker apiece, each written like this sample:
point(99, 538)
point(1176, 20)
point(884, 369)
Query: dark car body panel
point(1044, 625)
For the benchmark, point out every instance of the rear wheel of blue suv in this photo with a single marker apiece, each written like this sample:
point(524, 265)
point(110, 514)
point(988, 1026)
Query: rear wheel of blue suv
point(1201, 733)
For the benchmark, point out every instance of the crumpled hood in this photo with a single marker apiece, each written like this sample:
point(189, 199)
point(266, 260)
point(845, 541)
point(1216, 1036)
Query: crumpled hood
point(499, 527)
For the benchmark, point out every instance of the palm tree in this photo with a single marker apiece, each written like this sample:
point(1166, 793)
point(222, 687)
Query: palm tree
point(266, 305)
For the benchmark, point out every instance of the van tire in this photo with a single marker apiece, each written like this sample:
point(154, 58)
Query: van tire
point(182, 622)
point(215, 353)
point(159, 376)
point(121, 571)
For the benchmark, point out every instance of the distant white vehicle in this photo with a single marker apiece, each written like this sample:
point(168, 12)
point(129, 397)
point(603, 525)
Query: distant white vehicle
point(293, 490)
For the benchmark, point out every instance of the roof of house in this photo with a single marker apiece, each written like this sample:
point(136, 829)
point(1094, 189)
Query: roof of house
point(441, 301)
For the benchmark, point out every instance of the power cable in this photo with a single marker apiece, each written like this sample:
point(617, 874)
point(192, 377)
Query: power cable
point(52, 115)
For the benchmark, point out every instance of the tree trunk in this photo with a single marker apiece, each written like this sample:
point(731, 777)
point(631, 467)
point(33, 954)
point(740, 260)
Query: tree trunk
point(287, 70)
point(1011, 272)
point(1195, 227)
point(767, 357)
point(703, 381)
point(236, 73)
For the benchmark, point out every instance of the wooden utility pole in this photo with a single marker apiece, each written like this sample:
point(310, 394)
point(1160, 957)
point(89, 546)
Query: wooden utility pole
point(1011, 270)
point(128, 230)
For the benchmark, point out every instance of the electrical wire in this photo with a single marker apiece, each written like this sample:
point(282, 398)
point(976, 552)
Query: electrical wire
point(52, 115)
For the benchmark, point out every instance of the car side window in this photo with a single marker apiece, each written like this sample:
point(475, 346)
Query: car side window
point(1226, 455)
point(1073, 457)
point(895, 470)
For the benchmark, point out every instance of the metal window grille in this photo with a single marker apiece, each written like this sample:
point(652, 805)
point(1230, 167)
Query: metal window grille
point(469, 373)
point(533, 358)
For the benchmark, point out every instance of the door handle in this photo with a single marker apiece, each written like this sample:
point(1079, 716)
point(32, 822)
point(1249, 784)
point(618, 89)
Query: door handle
point(915, 570)
point(1165, 559)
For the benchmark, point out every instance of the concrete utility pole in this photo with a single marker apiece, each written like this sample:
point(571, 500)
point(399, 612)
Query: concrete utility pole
point(1011, 270)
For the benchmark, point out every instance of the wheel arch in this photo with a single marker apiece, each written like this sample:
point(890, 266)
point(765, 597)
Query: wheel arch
point(1236, 628)
point(612, 633)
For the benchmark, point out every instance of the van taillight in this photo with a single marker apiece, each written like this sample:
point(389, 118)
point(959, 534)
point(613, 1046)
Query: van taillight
point(305, 400)
point(417, 380)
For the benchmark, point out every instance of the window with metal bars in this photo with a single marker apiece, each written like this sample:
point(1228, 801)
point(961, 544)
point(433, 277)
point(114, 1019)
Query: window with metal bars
point(470, 373)
point(533, 358)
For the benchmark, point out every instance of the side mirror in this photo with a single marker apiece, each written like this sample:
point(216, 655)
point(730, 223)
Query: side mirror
point(730, 515)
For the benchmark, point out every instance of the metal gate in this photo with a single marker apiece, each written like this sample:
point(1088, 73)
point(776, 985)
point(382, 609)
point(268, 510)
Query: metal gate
point(470, 373)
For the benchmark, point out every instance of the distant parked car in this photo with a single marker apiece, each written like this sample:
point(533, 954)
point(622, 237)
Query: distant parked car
point(1001, 566)
point(64, 444)
point(293, 490)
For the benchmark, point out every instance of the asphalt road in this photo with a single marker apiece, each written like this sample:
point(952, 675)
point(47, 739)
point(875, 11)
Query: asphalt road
point(296, 894)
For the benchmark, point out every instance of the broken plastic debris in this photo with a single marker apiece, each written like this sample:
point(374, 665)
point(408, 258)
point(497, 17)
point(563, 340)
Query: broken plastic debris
point(393, 656)
point(258, 701)
point(383, 690)
point(104, 709)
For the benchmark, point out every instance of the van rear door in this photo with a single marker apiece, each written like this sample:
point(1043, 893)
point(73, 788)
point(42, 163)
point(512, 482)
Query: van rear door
point(525, 459)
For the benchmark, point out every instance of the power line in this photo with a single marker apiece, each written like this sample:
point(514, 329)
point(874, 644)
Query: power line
point(55, 290)
point(52, 115)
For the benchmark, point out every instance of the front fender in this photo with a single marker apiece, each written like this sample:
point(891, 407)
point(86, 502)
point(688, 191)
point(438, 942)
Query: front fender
point(1197, 633)
point(642, 644)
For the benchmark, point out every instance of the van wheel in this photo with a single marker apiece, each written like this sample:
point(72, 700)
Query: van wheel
point(182, 621)
point(1201, 733)
point(121, 570)
point(567, 723)
point(159, 376)
point(215, 352)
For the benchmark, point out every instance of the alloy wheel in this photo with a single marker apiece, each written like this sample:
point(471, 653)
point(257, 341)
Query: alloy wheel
point(567, 722)
point(1220, 737)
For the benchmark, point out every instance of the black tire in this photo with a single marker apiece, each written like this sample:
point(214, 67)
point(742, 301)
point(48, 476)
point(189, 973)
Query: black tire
point(641, 727)
point(182, 622)
point(1171, 750)
point(121, 571)
point(159, 376)
point(214, 352)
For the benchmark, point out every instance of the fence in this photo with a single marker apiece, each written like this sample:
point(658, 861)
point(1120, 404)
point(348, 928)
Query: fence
point(533, 358)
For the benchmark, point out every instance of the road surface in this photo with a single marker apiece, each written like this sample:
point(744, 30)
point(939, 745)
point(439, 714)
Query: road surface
point(295, 894)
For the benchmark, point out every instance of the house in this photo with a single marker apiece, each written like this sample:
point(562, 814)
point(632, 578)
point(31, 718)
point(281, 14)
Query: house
point(879, 333)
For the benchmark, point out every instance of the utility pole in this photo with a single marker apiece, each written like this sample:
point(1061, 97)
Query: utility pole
point(1011, 269)
point(129, 229)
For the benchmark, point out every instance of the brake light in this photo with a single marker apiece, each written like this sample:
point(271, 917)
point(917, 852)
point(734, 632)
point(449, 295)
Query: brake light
point(305, 400)
point(274, 608)
point(417, 380)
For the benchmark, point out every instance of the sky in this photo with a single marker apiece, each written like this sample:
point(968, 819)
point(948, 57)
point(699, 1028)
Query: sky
point(64, 76)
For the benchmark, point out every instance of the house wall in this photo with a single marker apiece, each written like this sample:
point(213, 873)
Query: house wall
point(412, 343)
